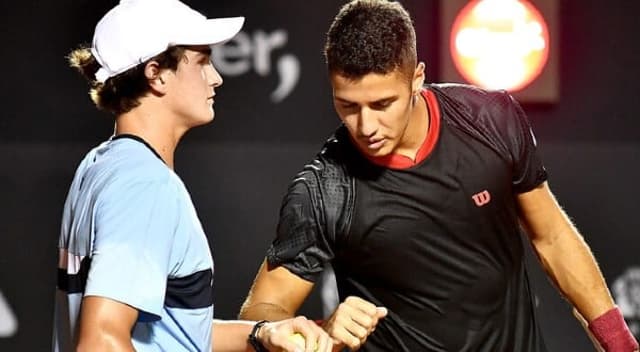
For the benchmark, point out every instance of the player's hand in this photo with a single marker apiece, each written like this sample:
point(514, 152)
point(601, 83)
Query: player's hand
point(277, 336)
point(353, 321)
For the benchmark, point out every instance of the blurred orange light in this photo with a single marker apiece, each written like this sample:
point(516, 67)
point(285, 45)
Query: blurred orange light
point(499, 44)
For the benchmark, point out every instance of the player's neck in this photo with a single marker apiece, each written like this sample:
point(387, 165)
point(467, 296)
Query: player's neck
point(417, 129)
point(154, 128)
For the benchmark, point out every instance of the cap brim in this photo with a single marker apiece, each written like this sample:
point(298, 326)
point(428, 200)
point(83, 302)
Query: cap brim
point(209, 32)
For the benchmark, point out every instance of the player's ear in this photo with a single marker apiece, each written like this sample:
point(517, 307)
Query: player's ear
point(418, 78)
point(153, 73)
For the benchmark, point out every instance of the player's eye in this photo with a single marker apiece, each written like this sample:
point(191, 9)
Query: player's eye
point(381, 105)
point(347, 106)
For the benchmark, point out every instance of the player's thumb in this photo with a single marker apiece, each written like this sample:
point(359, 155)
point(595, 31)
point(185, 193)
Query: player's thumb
point(381, 312)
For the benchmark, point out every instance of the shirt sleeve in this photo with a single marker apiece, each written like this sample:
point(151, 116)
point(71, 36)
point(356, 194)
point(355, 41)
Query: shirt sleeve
point(134, 230)
point(301, 245)
point(528, 168)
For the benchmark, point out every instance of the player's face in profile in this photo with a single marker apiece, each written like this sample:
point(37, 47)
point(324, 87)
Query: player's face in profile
point(192, 87)
point(375, 109)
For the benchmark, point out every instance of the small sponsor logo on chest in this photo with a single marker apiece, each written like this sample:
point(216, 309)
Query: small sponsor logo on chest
point(481, 198)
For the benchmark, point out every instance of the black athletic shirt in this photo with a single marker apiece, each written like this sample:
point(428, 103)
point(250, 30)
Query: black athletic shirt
point(437, 242)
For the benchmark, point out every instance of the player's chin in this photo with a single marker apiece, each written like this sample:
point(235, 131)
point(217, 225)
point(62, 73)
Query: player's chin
point(377, 153)
point(209, 115)
point(202, 120)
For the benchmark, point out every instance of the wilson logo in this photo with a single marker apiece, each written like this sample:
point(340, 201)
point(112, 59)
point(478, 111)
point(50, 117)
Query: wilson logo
point(482, 198)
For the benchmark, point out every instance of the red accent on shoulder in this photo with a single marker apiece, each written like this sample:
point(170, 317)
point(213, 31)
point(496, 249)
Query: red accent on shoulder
point(434, 126)
point(397, 161)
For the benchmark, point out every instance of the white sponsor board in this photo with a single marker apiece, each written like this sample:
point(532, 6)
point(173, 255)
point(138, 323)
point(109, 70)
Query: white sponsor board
point(8, 321)
point(626, 290)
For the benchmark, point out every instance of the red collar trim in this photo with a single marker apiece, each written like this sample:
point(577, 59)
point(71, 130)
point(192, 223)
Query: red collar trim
point(397, 161)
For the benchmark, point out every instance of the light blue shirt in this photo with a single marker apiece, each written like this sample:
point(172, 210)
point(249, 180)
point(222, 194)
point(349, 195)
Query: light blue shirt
point(129, 227)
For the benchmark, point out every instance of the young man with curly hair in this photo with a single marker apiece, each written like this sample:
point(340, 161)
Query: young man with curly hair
point(417, 201)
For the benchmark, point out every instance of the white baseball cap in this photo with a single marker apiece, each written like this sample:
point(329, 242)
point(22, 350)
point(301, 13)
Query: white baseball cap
point(136, 30)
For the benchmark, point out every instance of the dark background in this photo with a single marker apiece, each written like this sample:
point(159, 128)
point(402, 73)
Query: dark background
point(238, 167)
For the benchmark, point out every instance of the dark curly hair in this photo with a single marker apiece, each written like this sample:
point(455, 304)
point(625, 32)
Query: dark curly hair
point(371, 36)
point(120, 94)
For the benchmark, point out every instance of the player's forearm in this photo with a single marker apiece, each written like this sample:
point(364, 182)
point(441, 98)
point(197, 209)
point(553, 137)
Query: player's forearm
point(569, 261)
point(264, 311)
point(231, 336)
point(570, 264)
